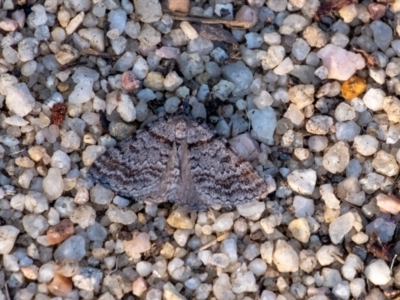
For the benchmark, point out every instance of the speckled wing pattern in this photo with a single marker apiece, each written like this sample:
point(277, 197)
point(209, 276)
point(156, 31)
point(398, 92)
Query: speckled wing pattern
point(182, 160)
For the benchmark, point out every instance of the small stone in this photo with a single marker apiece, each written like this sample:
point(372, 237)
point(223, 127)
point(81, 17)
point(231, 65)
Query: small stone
point(352, 265)
point(300, 229)
point(285, 257)
point(60, 286)
point(251, 211)
point(388, 203)
point(239, 74)
point(378, 272)
point(170, 292)
point(60, 232)
point(339, 227)
point(178, 219)
point(182, 6)
point(220, 260)
point(244, 282)
point(383, 34)
point(149, 10)
point(302, 181)
point(88, 279)
point(30, 272)
point(317, 143)
point(366, 145)
point(385, 164)
point(129, 81)
point(139, 286)
point(376, 10)
point(319, 124)
point(34, 225)
point(336, 158)
point(374, 99)
point(120, 215)
point(341, 64)
point(83, 215)
point(264, 123)
point(331, 277)
point(144, 268)
point(53, 184)
point(223, 223)
point(246, 14)
point(73, 248)
point(353, 87)
point(222, 287)
point(140, 243)
point(304, 207)
point(326, 254)
point(19, 99)
point(67, 267)
point(101, 195)
point(8, 236)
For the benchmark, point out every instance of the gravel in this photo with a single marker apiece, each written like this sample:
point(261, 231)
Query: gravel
point(309, 99)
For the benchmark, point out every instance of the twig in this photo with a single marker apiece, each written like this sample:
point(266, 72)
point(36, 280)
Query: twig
point(213, 242)
point(228, 23)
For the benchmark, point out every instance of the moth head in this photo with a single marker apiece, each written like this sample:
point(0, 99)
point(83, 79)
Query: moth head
point(181, 130)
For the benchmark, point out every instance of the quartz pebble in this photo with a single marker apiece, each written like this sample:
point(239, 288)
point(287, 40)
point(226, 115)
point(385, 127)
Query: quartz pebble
point(341, 64)
point(285, 257)
point(8, 236)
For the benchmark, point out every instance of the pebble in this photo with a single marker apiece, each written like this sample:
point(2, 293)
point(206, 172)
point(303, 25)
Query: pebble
point(385, 164)
point(19, 99)
point(388, 203)
point(366, 145)
point(285, 257)
point(378, 272)
point(240, 75)
point(336, 158)
point(60, 286)
point(251, 211)
point(300, 229)
point(60, 232)
point(72, 248)
point(339, 227)
point(319, 124)
point(8, 236)
point(149, 10)
point(53, 184)
point(302, 181)
point(341, 64)
point(223, 223)
point(263, 131)
point(140, 243)
point(120, 215)
point(374, 99)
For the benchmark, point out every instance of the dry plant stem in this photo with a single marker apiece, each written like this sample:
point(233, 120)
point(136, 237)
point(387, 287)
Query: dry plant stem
point(228, 23)
point(213, 242)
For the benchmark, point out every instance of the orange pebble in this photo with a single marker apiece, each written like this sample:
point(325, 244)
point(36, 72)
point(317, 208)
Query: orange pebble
point(60, 286)
point(353, 87)
point(60, 232)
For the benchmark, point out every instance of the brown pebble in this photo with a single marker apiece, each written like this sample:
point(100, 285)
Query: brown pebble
point(30, 272)
point(388, 203)
point(247, 14)
point(60, 232)
point(376, 10)
point(139, 287)
point(129, 81)
point(179, 5)
point(67, 267)
point(60, 286)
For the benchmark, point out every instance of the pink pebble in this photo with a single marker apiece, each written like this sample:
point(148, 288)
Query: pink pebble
point(388, 203)
point(129, 81)
point(8, 24)
point(247, 14)
point(376, 10)
point(340, 63)
point(19, 16)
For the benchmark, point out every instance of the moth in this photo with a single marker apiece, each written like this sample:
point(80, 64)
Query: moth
point(180, 159)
